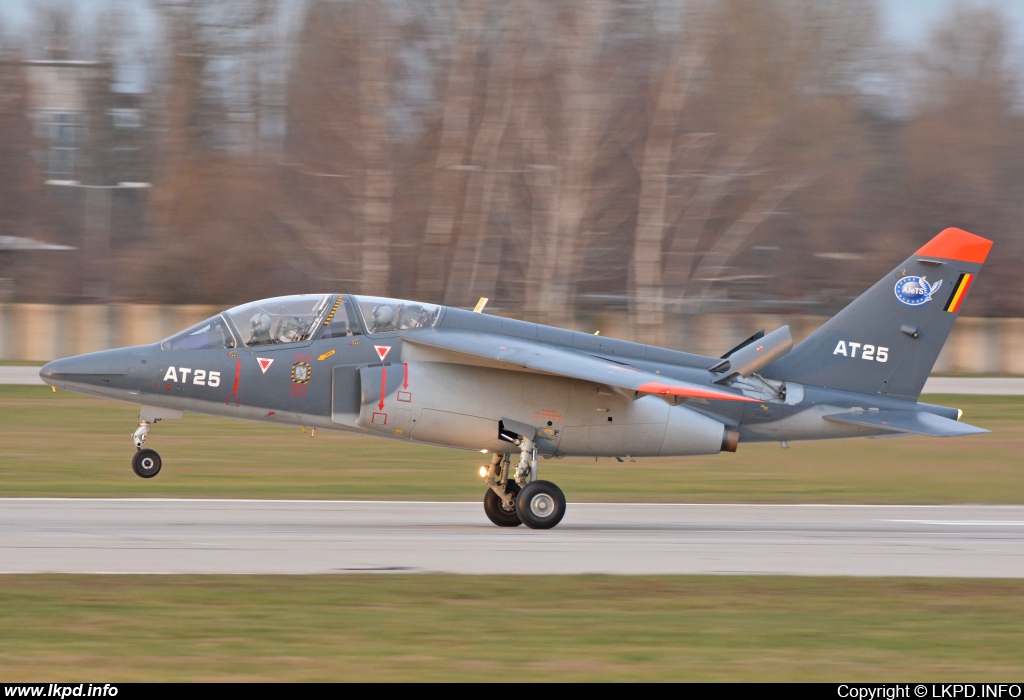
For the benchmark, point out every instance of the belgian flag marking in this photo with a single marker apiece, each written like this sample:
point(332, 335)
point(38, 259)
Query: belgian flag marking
point(959, 292)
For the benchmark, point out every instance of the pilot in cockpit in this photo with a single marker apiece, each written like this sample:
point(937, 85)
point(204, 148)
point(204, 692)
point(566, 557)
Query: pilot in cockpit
point(414, 316)
point(383, 318)
point(259, 329)
point(291, 329)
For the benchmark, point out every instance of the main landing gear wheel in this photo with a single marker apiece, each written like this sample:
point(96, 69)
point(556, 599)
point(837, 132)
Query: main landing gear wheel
point(540, 505)
point(146, 463)
point(496, 511)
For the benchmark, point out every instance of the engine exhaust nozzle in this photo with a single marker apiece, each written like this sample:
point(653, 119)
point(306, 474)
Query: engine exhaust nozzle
point(730, 439)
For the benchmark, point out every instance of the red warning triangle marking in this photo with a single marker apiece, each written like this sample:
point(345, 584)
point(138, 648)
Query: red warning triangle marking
point(382, 351)
point(265, 363)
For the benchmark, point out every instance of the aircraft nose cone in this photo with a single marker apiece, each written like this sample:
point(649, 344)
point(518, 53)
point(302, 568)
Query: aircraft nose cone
point(65, 366)
point(96, 366)
point(52, 372)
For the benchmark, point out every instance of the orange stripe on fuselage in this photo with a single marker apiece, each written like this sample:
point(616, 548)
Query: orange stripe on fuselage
point(691, 392)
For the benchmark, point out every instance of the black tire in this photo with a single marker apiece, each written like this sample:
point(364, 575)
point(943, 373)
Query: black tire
point(146, 463)
point(495, 509)
point(541, 505)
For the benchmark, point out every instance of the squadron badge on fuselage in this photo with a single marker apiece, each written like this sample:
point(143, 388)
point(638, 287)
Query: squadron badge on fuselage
point(915, 291)
point(301, 372)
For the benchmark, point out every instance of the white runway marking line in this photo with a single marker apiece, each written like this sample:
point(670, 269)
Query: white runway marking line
point(1000, 523)
point(134, 499)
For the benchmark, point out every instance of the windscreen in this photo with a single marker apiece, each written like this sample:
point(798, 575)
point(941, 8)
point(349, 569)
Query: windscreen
point(211, 334)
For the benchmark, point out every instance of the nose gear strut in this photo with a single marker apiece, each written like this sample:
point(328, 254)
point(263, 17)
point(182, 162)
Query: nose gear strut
point(139, 436)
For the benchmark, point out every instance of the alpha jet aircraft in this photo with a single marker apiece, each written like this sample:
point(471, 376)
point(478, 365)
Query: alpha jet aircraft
point(443, 376)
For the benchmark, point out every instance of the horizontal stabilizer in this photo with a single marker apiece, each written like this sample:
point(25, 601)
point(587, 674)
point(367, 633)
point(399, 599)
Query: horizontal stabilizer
point(916, 422)
point(532, 356)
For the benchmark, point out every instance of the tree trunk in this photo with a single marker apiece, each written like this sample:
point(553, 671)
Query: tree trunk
point(647, 299)
point(554, 259)
point(377, 184)
point(448, 180)
point(470, 265)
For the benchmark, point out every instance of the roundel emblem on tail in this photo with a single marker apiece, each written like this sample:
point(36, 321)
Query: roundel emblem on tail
point(916, 291)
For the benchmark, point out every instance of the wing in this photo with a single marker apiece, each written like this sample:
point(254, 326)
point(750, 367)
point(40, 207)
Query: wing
point(538, 357)
point(917, 422)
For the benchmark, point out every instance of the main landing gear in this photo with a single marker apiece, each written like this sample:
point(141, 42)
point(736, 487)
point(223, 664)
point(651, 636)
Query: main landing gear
point(539, 505)
point(146, 463)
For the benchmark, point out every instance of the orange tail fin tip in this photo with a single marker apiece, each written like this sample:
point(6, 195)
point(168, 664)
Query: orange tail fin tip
point(957, 244)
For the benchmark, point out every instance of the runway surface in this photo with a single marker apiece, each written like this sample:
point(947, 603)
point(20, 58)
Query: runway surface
point(303, 537)
point(20, 375)
point(934, 385)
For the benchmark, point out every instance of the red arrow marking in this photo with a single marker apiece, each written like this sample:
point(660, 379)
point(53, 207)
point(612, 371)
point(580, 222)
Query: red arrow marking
point(383, 386)
point(405, 379)
point(238, 371)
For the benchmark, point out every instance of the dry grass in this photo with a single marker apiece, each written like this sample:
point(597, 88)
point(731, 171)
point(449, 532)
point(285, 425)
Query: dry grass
point(324, 628)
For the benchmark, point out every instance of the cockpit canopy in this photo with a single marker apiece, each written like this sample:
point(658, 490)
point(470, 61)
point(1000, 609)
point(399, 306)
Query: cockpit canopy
point(291, 319)
point(381, 315)
point(298, 318)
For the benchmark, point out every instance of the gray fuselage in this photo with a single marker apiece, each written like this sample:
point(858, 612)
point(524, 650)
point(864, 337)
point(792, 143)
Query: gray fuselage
point(376, 384)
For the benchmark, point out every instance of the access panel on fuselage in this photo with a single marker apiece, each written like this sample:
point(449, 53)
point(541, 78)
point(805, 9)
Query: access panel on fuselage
point(345, 394)
point(386, 404)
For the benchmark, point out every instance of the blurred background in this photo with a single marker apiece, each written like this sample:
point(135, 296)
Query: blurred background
point(660, 159)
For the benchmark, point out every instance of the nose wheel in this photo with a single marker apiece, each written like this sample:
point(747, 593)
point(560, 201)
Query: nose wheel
point(146, 463)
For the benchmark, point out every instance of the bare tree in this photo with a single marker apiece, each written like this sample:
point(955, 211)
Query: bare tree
point(449, 175)
point(961, 150)
point(474, 264)
point(712, 170)
point(564, 162)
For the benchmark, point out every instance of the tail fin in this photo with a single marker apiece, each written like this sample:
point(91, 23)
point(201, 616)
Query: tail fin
point(887, 340)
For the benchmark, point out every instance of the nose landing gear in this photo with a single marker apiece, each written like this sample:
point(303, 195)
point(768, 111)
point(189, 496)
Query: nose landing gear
point(540, 505)
point(146, 463)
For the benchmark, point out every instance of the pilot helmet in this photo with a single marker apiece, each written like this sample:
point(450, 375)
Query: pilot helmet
point(383, 316)
point(414, 316)
point(293, 328)
point(259, 325)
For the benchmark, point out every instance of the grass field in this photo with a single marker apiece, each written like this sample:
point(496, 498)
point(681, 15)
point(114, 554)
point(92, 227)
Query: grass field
point(63, 444)
point(322, 628)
